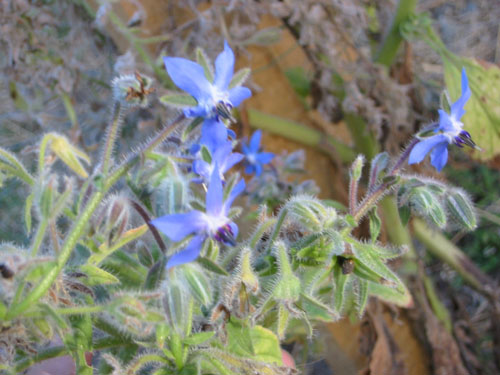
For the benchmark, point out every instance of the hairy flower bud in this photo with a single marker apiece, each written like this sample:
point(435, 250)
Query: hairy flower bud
point(117, 217)
point(132, 90)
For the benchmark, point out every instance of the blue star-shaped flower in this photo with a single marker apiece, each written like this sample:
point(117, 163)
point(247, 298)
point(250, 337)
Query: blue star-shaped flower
point(253, 158)
point(449, 130)
point(222, 156)
point(214, 99)
point(212, 223)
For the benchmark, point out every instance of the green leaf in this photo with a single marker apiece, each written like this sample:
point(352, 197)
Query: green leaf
point(300, 80)
point(404, 214)
point(211, 266)
point(461, 209)
point(428, 205)
point(39, 270)
point(155, 274)
point(362, 296)
point(316, 310)
point(198, 338)
point(202, 59)
point(399, 296)
point(375, 224)
point(191, 127)
point(179, 100)
point(97, 276)
point(3, 310)
point(239, 77)
point(288, 286)
point(205, 155)
point(482, 116)
point(27, 211)
point(257, 343)
point(340, 281)
point(198, 283)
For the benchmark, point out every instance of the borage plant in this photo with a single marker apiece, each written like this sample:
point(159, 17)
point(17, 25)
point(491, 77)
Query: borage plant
point(197, 297)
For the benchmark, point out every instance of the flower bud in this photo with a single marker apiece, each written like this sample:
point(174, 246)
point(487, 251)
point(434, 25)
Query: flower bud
point(357, 168)
point(178, 304)
point(132, 90)
point(461, 209)
point(117, 217)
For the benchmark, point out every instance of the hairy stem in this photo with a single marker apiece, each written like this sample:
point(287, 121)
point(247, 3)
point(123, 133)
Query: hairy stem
point(79, 226)
point(111, 138)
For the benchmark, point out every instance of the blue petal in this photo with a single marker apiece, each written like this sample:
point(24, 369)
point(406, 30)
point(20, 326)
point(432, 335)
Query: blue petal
point(244, 148)
point(213, 134)
point(264, 157)
point(237, 190)
point(445, 123)
point(232, 160)
point(439, 156)
point(188, 76)
point(421, 149)
point(258, 169)
point(234, 229)
point(457, 108)
point(202, 168)
point(178, 226)
point(249, 169)
point(190, 253)
point(214, 193)
point(255, 141)
point(199, 111)
point(231, 133)
point(224, 68)
point(238, 94)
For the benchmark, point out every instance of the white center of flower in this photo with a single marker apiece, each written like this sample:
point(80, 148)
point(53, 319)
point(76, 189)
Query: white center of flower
point(215, 97)
point(215, 223)
point(252, 158)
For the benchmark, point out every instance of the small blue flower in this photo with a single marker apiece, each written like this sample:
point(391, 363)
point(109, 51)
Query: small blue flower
point(449, 130)
point(222, 156)
point(213, 223)
point(253, 158)
point(214, 99)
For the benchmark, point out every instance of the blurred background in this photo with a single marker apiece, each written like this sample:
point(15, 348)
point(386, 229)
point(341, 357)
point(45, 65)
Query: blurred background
point(316, 76)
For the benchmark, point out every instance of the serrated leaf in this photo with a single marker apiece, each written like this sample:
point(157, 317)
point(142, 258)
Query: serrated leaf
point(97, 276)
point(362, 296)
point(198, 338)
point(202, 59)
point(482, 116)
point(316, 310)
point(399, 296)
point(178, 100)
point(256, 343)
point(239, 77)
point(366, 255)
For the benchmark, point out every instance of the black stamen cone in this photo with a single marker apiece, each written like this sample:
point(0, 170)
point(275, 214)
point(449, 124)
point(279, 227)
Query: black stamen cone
point(224, 110)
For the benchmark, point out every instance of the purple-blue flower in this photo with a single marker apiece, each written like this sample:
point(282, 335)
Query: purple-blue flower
point(214, 99)
point(254, 159)
point(223, 159)
point(213, 223)
point(449, 130)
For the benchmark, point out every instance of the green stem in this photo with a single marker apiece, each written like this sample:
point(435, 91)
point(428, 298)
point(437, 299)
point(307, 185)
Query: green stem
point(58, 351)
point(79, 227)
point(301, 133)
point(111, 138)
point(364, 140)
point(439, 246)
point(389, 48)
point(40, 234)
point(277, 227)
